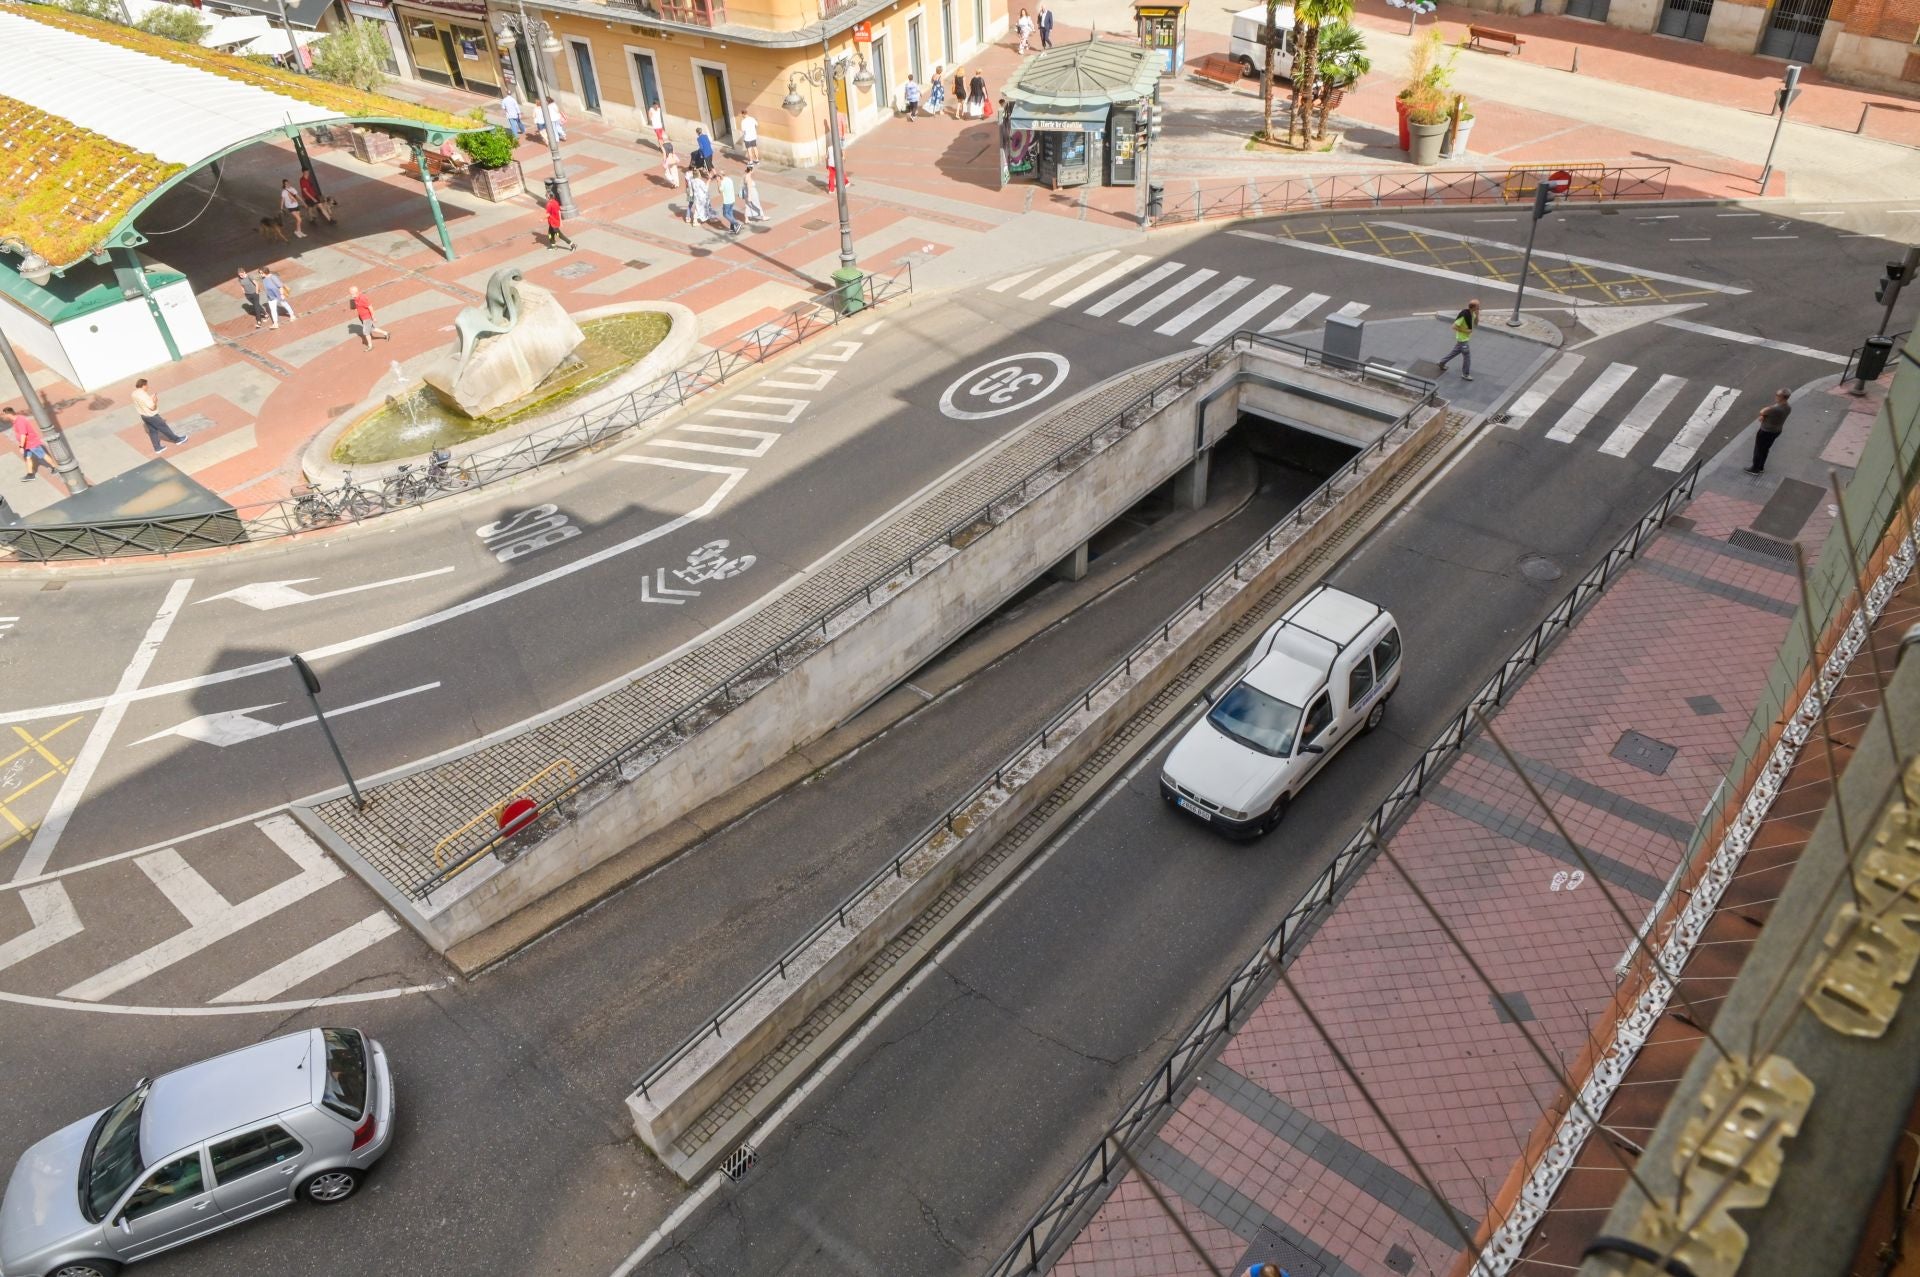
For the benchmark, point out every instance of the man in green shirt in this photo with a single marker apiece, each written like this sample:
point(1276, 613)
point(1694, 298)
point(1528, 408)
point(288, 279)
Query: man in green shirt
point(1463, 325)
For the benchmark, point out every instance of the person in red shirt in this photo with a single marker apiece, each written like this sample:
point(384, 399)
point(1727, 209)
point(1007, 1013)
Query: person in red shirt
point(554, 233)
point(33, 448)
point(310, 196)
point(363, 311)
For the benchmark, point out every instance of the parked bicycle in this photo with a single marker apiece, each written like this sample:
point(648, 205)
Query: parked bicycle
point(316, 507)
point(414, 482)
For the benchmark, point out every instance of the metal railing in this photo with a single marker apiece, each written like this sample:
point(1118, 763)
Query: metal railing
point(1319, 500)
point(1403, 188)
point(352, 502)
point(1058, 1220)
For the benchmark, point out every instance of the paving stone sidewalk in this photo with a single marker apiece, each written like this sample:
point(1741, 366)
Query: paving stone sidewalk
point(1627, 727)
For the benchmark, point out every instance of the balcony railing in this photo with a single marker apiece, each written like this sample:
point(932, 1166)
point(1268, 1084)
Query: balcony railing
point(693, 13)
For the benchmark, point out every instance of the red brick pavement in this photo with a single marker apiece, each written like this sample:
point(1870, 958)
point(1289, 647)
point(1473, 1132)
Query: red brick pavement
point(1461, 1087)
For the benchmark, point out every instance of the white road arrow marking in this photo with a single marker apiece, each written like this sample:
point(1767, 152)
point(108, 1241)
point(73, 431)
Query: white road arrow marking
point(53, 921)
point(654, 591)
point(266, 596)
point(233, 726)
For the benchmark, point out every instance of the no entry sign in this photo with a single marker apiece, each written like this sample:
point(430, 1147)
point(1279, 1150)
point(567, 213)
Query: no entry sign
point(1560, 181)
point(515, 815)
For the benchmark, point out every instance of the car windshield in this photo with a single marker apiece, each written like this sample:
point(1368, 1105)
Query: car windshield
point(346, 1072)
point(113, 1155)
point(1257, 720)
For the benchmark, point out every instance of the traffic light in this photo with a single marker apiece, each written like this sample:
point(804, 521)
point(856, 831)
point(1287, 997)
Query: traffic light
point(1890, 283)
point(1150, 120)
point(1543, 201)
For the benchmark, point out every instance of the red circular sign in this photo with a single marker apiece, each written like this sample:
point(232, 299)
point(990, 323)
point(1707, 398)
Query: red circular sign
point(1560, 181)
point(516, 814)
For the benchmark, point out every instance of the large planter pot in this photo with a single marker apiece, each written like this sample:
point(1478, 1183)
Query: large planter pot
point(1400, 108)
point(1426, 140)
point(498, 184)
point(1458, 151)
point(371, 147)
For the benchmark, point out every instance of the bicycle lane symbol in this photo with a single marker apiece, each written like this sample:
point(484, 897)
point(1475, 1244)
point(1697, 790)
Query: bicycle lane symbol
point(1004, 385)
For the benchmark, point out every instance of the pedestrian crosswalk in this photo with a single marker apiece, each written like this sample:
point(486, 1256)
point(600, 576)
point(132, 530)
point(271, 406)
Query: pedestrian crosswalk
point(1172, 299)
point(1591, 407)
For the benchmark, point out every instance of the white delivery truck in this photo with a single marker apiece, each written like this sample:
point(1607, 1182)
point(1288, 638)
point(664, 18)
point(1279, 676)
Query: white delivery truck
point(1247, 43)
point(1320, 677)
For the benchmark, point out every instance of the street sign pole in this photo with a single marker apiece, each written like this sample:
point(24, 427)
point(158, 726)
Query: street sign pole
point(1782, 99)
point(312, 684)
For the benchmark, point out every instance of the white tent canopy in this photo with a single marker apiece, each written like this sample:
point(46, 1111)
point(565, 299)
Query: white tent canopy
point(235, 29)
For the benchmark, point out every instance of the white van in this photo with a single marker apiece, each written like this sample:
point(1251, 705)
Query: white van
point(1247, 43)
point(1320, 677)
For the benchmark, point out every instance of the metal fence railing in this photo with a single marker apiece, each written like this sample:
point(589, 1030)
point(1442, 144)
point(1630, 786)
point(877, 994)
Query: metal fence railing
point(1059, 1220)
point(353, 502)
point(1320, 499)
point(1402, 188)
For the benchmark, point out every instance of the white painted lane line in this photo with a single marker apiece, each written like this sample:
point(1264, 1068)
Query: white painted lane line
point(1239, 317)
point(816, 378)
point(1292, 316)
point(1218, 297)
point(1676, 454)
point(317, 870)
point(788, 412)
point(1748, 339)
point(1642, 415)
point(278, 665)
point(1081, 291)
point(1013, 281)
point(1496, 219)
point(234, 726)
point(51, 910)
point(1417, 268)
point(267, 596)
point(1353, 310)
point(249, 1008)
point(183, 886)
point(1776, 237)
point(1431, 233)
point(1107, 305)
point(1167, 297)
point(1736, 214)
point(1825, 212)
point(1657, 217)
point(1060, 277)
point(1543, 388)
point(311, 961)
point(764, 439)
point(1688, 239)
point(74, 784)
point(1591, 401)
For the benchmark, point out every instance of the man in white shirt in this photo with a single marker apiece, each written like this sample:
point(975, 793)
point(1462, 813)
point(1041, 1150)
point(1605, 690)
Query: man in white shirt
point(149, 409)
point(511, 106)
point(657, 121)
point(750, 137)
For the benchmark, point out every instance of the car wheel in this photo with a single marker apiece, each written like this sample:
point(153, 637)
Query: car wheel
point(1248, 68)
point(332, 1186)
point(1275, 816)
point(86, 1268)
point(1374, 715)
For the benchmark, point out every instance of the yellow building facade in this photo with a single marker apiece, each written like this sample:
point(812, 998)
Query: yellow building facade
point(706, 61)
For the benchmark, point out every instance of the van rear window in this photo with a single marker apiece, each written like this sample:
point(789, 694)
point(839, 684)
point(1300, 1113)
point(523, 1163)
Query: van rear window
point(346, 1072)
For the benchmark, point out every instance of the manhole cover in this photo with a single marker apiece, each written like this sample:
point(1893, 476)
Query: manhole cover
point(1400, 1260)
point(576, 270)
point(1644, 752)
point(637, 264)
point(1537, 567)
point(1704, 705)
point(817, 224)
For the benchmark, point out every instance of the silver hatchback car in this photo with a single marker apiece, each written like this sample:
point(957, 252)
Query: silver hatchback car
point(195, 1150)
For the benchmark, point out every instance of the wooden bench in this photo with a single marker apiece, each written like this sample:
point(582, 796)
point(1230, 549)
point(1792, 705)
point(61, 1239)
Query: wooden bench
point(1482, 37)
point(1218, 68)
point(442, 165)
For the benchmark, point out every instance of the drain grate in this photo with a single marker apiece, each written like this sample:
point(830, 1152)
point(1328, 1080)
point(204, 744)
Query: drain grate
point(739, 1162)
point(817, 224)
point(1644, 752)
point(1746, 540)
point(636, 263)
point(1400, 1260)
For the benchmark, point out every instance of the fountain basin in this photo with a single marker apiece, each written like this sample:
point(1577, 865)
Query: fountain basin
point(626, 347)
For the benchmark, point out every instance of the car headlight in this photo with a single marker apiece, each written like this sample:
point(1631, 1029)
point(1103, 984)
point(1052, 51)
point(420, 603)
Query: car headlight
point(1231, 814)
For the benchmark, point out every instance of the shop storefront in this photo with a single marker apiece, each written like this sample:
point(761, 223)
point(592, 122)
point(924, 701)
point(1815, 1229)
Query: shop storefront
point(448, 43)
point(1072, 115)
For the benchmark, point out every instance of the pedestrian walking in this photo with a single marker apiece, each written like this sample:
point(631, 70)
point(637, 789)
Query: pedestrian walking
point(1266, 1270)
point(1772, 419)
point(911, 95)
point(959, 91)
point(553, 119)
point(750, 196)
point(670, 160)
point(702, 150)
point(937, 92)
point(1463, 325)
point(290, 206)
point(698, 210)
point(729, 195)
point(510, 106)
point(750, 137)
point(149, 409)
point(317, 205)
point(977, 97)
point(1043, 20)
point(363, 312)
point(33, 449)
point(278, 298)
point(554, 233)
point(833, 174)
point(250, 290)
point(1024, 25)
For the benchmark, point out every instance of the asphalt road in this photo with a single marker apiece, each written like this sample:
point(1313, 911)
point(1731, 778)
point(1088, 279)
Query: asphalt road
point(514, 1155)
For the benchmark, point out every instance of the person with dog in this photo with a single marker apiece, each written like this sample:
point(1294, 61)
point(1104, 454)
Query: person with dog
point(290, 206)
point(310, 196)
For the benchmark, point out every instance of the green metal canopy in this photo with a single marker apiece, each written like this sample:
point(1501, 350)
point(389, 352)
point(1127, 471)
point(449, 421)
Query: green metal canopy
point(1072, 78)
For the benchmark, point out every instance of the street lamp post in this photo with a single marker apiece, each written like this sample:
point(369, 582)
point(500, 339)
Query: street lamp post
point(34, 269)
point(832, 71)
point(540, 42)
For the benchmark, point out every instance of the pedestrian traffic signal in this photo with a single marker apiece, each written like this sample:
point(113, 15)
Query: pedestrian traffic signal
point(1150, 119)
point(1543, 201)
point(1890, 283)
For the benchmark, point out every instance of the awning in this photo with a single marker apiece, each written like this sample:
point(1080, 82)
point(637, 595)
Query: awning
point(301, 13)
point(235, 29)
point(1043, 119)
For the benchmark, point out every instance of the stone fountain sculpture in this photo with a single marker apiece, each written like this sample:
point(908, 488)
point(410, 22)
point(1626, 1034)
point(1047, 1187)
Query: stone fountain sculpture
point(506, 349)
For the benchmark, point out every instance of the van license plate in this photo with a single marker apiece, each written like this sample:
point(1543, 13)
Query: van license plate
point(1197, 810)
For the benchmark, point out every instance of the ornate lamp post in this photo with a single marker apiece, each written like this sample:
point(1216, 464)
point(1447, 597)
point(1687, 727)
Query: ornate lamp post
point(541, 42)
point(831, 72)
point(34, 269)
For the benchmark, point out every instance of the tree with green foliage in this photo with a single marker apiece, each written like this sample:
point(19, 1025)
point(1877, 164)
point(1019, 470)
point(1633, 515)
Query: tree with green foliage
point(105, 10)
point(1311, 15)
point(355, 55)
point(174, 22)
point(490, 150)
point(1343, 60)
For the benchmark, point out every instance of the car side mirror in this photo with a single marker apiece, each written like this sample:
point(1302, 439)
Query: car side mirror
point(123, 1225)
point(1311, 748)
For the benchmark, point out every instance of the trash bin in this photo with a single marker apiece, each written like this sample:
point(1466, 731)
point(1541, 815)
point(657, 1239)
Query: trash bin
point(1156, 196)
point(1873, 358)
